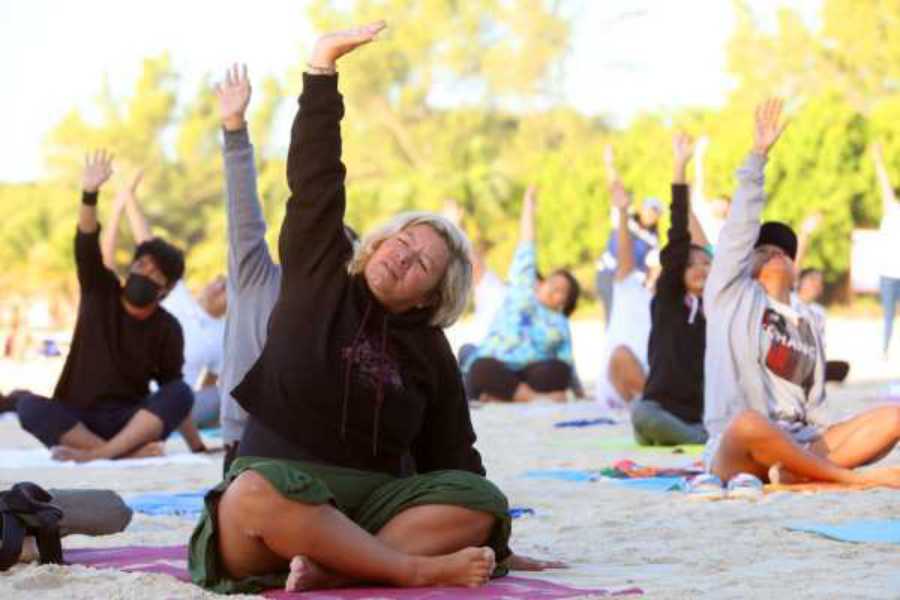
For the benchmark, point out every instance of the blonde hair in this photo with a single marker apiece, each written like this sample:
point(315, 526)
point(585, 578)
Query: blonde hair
point(452, 291)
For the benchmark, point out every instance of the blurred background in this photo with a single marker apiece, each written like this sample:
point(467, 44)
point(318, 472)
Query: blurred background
point(464, 100)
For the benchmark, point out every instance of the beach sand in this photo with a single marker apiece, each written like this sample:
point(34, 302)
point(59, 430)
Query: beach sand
point(612, 536)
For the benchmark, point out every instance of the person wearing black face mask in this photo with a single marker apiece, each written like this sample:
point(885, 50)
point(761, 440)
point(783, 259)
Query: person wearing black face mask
point(102, 406)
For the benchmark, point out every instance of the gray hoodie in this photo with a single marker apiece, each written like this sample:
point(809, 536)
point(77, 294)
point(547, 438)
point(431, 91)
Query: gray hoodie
point(735, 303)
point(254, 280)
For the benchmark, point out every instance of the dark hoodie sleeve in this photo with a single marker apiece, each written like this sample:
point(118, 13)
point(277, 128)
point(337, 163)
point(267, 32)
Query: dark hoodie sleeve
point(312, 235)
point(447, 439)
point(674, 257)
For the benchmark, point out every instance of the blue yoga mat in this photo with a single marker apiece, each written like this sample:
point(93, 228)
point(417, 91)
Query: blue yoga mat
point(654, 484)
point(586, 422)
point(186, 504)
point(883, 531)
point(562, 475)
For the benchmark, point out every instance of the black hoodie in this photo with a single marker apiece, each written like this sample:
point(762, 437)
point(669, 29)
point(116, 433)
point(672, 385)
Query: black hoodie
point(344, 381)
point(678, 331)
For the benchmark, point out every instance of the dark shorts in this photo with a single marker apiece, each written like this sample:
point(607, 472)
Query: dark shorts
point(369, 499)
point(48, 420)
point(494, 377)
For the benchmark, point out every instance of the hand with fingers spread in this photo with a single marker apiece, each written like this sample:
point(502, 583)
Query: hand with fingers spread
point(334, 45)
point(97, 170)
point(683, 148)
point(234, 97)
point(768, 126)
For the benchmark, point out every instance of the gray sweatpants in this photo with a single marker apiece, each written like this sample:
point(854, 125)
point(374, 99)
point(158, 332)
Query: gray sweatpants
point(655, 426)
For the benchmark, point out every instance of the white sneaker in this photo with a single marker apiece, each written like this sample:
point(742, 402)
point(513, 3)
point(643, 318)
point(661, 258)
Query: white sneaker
point(745, 486)
point(706, 487)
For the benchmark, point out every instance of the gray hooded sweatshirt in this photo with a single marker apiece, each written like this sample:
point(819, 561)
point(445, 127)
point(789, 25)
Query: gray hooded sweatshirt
point(735, 363)
point(254, 279)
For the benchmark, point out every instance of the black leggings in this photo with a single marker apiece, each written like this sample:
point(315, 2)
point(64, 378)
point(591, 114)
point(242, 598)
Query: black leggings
point(491, 376)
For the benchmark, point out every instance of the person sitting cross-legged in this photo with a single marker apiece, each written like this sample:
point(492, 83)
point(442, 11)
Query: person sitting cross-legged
point(102, 406)
point(357, 463)
point(765, 365)
point(670, 410)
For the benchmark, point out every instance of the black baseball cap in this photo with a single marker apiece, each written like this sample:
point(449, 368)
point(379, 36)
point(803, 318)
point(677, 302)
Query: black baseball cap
point(778, 234)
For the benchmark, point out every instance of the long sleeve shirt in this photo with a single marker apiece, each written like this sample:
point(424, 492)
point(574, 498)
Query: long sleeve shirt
point(678, 332)
point(254, 279)
point(525, 331)
point(351, 384)
point(114, 356)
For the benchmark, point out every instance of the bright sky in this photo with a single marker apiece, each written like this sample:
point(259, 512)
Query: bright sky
point(627, 56)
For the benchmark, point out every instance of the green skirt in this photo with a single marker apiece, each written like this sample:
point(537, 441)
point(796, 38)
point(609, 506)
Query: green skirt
point(368, 499)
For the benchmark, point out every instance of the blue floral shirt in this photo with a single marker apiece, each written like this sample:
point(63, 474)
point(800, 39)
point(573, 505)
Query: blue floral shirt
point(524, 331)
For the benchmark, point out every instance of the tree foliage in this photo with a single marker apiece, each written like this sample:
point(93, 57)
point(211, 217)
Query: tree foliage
point(459, 101)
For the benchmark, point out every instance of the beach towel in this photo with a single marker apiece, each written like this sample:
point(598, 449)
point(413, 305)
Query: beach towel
point(39, 458)
point(184, 504)
point(519, 511)
point(874, 531)
point(586, 422)
point(172, 560)
point(628, 469)
point(562, 475)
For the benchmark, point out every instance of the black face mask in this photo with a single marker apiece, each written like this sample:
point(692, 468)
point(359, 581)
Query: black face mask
point(141, 291)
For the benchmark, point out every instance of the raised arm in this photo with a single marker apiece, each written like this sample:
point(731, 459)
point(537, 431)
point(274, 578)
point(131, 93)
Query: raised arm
point(88, 258)
point(625, 245)
point(97, 170)
point(735, 247)
point(526, 220)
point(884, 180)
point(674, 257)
point(312, 234)
point(140, 228)
point(110, 234)
point(249, 261)
point(807, 229)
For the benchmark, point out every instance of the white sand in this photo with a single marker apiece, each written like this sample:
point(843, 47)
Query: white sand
point(613, 537)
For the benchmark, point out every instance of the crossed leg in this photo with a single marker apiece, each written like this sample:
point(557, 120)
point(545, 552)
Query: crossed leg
point(261, 531)
point(753, 444)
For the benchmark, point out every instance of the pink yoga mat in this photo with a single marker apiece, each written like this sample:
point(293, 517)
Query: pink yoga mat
point(172, 560)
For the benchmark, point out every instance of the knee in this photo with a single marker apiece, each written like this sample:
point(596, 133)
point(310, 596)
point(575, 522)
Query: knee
point(890, 417)
point(178, 395)
point(249, 499)
point(748, 424)
point(32, 411)
point(622, 360)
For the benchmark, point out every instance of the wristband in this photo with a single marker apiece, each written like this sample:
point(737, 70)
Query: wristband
point(89, 198)
point(314, 70)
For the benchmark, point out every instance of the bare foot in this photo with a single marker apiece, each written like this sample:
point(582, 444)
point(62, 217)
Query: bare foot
point(147, 450)
point(882, 476)
point(29, 550)
point(70, 454)
point(778, 475)
point(469, 567)
point(307, 574)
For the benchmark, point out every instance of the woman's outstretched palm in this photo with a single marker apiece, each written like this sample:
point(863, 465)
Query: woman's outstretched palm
point(334, 45)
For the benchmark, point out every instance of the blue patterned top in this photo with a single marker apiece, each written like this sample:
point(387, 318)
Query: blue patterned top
point(524, 331)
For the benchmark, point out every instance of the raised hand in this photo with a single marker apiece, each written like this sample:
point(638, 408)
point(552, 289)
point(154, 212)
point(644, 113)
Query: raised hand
point(97, 170)
point(701, 146)
point(683, 147)
point(811, 223)
point(768, 127)
point(334, 45)
point(877, 151)
point(530, 197)
point(620, 198)
point(234, 96)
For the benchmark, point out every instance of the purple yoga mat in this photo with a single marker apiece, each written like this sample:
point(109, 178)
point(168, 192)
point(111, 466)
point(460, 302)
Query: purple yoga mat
point(172, 560)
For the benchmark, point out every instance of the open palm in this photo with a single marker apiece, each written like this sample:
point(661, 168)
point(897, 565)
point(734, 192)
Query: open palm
point(234, 96)
point(97, 169)
point(334, 45)
point(769, 126)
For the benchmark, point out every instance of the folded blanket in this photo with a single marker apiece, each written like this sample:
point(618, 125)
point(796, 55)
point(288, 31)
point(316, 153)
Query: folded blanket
point(172, 560)
point(39, 458)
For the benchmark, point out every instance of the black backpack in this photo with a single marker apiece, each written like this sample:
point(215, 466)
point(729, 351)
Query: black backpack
point(26, 510)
